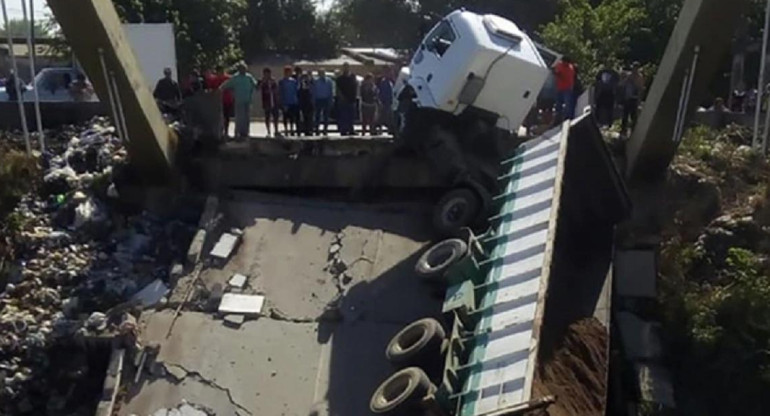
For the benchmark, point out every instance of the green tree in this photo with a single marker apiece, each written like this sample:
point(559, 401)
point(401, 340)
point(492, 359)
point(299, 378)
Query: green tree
point(289, 26)
point(207, 31)
point(594, 36)
point(19, 28)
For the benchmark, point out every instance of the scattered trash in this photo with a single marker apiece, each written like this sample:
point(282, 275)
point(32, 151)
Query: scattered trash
point(77, 253)
point(97, 321)
point(151, 294)
point(241, 304)
point(238, 281)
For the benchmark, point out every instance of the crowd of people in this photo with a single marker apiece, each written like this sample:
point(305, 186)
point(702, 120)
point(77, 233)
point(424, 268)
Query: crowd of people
point(613, 89)
point(300, 102)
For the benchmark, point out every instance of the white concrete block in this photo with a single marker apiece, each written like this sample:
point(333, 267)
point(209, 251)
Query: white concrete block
point(241, 304)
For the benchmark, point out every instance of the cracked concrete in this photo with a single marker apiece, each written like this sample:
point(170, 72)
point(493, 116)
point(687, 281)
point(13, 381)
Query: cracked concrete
point(339, 283)
point(199, 377)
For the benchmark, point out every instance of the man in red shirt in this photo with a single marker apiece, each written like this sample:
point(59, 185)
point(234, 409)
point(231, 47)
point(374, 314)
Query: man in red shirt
point(228, 101)
point(564, 71)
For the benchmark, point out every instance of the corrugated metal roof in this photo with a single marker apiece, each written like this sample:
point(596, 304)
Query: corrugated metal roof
point(502, 360)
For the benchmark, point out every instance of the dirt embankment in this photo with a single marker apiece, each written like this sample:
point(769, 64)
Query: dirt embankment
point(576, 373)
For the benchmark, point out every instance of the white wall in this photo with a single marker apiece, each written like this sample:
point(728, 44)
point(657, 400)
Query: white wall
point(154, 47)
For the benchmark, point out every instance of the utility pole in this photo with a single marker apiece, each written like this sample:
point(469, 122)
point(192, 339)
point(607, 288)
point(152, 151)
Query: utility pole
point(761, 82)
point(16, 75)
point(32, 71)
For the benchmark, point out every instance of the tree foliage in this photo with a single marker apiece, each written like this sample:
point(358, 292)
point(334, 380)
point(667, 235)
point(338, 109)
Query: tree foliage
point(594, 36)
point(19, 28)
point(289, 26)
point(207, 31)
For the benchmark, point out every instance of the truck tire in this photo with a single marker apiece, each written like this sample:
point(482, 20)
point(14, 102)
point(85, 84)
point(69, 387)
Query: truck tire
point(418, 344)
point(402, 393)
point(434, 263)
point(457, 209)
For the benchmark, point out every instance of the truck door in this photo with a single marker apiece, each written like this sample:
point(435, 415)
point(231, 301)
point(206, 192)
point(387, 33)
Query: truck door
point(432, 65)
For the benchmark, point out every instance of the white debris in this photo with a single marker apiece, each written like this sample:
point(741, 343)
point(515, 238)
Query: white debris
point(151, 294)
point(225, 246)
point(238, 281)
point(241, 304)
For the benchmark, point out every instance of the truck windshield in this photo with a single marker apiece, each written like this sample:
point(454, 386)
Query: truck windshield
point(441, 38)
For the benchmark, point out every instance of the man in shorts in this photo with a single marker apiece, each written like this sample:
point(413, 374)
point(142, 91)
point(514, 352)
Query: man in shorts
point(268, 89)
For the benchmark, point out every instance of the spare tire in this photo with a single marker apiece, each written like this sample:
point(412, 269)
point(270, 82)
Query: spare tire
point(438, 259)
point(457, 209)
point(418, 344)
point(401, 393)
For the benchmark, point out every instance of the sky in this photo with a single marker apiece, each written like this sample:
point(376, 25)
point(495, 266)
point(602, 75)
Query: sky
point(14, 8)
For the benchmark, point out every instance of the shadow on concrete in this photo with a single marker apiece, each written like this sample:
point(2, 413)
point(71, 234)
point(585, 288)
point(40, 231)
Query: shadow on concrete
point(372, 313)
point(326, 215)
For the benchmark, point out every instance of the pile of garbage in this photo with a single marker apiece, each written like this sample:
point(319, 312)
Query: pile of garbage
point(79, 254)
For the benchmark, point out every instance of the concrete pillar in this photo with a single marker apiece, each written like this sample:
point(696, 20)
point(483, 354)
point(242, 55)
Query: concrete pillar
point(90, 25)
point(709, 24)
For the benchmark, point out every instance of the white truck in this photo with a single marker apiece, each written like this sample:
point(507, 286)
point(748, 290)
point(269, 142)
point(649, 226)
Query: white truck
point(473, 80)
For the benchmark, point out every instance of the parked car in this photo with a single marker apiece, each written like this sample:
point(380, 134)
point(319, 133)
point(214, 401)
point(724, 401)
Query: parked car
point(52, 85)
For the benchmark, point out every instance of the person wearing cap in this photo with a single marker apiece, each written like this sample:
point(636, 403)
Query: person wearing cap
point(167, 92)
point(242, 85)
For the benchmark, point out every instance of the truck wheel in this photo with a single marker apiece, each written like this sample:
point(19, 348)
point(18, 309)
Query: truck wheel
point(401, 393)
point(417, 344)
point(457, 209)
point(439, 258)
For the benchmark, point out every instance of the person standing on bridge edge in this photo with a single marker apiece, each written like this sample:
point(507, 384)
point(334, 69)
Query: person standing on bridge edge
point(347, 86)
point(268, 89)
point(228, 102)
point(369, 100)
point(242, 85)
point(305, 99)
point(632, 89)
point(323, 91)
point(385, 88)
point(289, 88)
point(564, 71)
point(605, 86)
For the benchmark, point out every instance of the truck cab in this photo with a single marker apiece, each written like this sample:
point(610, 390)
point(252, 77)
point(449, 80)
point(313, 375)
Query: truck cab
point(472, 81)
point(480, 62)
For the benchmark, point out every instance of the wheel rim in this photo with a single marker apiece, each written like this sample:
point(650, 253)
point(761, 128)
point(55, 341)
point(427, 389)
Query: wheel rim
point(395, 389)
point(411, 337)
point(440, 257)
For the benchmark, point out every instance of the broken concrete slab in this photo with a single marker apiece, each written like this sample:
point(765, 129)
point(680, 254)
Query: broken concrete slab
point(225, 246)
point(241, 304)
point(111, 383)
point(196, 248)
point(209, 211)
point(636, 273)
point(640, 338)
point(176, 372)
point(151, 294)
point(238, 281)
point(234, 321)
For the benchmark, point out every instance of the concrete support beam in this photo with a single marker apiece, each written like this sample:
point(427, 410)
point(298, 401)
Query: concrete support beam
point(90, 25)
point(709, 24)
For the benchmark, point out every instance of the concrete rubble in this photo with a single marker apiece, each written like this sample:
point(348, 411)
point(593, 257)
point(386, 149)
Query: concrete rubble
point(78, 254)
